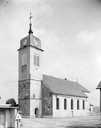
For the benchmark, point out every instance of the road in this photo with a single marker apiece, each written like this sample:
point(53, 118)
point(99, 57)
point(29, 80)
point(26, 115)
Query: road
point(91, 121)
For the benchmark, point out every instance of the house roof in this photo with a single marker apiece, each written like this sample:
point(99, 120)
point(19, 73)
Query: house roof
point(99, 85)
point(64, 87)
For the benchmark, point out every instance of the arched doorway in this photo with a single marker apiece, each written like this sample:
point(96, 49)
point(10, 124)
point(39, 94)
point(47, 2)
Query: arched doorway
point(36, 112)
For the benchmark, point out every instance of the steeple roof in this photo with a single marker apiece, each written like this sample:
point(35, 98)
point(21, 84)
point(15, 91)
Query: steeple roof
point(30, 39)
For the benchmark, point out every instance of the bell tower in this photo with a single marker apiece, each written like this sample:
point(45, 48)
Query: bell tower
point(29, 83)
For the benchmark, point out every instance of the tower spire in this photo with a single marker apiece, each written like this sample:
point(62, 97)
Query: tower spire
point(30, 24)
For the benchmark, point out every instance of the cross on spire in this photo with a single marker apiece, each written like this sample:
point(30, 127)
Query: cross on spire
point(30, 17)
point(30, 24)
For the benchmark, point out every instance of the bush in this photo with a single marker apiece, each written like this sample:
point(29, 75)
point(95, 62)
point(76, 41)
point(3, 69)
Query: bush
point(12, 102)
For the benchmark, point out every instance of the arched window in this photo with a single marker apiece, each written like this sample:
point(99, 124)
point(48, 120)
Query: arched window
point(78, 106)
point(71, 103)
point(65, 104)
point(83, 102)
point(57, 103)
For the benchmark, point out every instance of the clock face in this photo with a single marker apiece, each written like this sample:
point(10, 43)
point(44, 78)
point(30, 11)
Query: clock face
point(36, 43)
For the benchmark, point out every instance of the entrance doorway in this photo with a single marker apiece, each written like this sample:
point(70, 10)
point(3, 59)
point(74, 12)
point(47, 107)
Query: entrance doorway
point(36, 112)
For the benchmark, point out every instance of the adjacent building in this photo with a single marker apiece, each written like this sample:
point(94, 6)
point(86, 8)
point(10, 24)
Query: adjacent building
point(44, 95)
point(7, 116)
point(99, 87)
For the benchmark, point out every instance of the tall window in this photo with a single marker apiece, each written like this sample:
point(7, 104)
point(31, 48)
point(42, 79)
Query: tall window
point(24, 71)
point(83, 103)
point(71, 103)
point(57, 103)
point(65, 104)
point(23, 59)
point(78, 106)
point(36, 60)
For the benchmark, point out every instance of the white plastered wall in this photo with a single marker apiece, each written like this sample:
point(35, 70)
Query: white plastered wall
point(35, 97)
point(35, 71)
point(35, 82)
point(68, 112)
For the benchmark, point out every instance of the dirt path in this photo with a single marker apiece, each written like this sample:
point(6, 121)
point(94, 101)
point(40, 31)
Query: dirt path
point(91, 121)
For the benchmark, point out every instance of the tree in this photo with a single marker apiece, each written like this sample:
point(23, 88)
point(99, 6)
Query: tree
point(12, 102)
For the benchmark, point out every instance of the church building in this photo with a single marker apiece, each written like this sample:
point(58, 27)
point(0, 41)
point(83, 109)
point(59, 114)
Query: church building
point(42, 95)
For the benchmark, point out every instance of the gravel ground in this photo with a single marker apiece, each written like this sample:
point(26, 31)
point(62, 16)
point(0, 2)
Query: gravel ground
point(91, 121)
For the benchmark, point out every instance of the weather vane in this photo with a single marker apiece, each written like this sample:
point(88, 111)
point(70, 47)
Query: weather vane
point(30, 17)
point(30, 25)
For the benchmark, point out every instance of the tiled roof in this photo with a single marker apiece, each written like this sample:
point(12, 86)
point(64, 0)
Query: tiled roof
point(31, 39)
point(99, 85)
point(64, 87)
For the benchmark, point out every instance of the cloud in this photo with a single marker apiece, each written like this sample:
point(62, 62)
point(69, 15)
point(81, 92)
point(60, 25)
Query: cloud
point(3, 1)
point(50, 19)
point(23, 1)
point(89, 36)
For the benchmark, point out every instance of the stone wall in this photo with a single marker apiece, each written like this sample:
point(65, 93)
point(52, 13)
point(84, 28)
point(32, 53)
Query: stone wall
point(46, 101)
point(7, 117)
point(24, 97)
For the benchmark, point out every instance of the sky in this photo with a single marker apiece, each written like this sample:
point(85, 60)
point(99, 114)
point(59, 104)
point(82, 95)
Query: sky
point(70, 31)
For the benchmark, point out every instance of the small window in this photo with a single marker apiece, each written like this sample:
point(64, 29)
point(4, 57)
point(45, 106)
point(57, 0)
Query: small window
point(78, 107)
point(83, 104)
point(36, 60)
point(71, 103)
point(65, 104)
point(23, 59)
point(24, 71)
point(57, 103)
point(24, 68)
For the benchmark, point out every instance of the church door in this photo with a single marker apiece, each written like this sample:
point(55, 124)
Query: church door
point(36, 112)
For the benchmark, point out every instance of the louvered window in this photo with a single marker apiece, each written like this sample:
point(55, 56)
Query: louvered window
point(36, 60)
